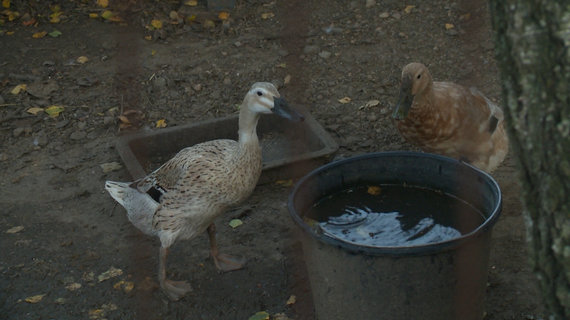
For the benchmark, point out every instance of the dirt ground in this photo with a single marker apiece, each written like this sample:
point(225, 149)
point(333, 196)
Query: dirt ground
point(68, 252)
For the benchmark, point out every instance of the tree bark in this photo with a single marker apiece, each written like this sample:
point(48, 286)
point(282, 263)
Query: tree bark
point(532, 40)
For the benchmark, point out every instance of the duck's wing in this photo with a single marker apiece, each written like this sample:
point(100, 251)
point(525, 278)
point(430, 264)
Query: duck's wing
point(492, 112)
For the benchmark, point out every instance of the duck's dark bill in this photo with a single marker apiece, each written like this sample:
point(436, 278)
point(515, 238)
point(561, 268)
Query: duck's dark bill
point(405, 100)
point(282, 109)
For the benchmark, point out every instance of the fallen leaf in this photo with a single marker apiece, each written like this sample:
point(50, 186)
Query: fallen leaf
point(284, 183)
point(29, 22)
point(103, 3)
point(224, 15)
point(344, 100)
point(39, 35)
point(191, 18)
point(261, 315)
point(55, 17)
point(234, 223)
point(15, 229)
point(73, 286)
point(161, 123)
point(110, 166)
point(19, 88)
point(152, 52)
point(60, 301)
point(449, 26)
point(107, 15)
point(155, 23)
point(96, 313)
point(82, 59)
point(370, 104)
point(55, 33)
point(6, 4)
point(54, 111)
point(93, 15)
point(287, 79)
point(374, 190)
point(409, 8)
point(9, 33)
point(35, 299)
point(267, 15)
point(126, 286)
point(149, 37)
point(208, 24)
point(292, 299)
point(111, 273)
point(34, 110)
point(12, 15)
point(191, 3)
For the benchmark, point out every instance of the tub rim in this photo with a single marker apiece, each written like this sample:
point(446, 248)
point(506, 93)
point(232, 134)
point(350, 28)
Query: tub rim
point(416, 250)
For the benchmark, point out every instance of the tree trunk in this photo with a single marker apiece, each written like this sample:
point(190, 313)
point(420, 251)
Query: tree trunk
point(532, 40)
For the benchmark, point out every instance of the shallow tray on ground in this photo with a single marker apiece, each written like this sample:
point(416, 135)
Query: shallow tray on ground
point(289, 149)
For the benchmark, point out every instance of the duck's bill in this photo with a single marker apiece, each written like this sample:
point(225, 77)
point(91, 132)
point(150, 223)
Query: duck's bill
point(405, 100)
point(282, 109)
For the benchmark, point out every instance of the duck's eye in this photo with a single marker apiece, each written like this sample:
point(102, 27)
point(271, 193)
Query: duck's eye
point(419, 76)
point(259, 93)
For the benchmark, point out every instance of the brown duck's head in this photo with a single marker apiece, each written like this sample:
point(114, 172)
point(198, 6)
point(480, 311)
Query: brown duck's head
point(415, 79)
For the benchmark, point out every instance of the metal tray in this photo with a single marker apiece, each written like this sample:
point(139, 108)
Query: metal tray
point(289, 149)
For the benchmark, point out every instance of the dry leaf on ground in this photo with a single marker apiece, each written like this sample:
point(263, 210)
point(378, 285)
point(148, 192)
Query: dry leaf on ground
point(344, 100)
point(15, 229)
point(111, 273)
point(35, 299)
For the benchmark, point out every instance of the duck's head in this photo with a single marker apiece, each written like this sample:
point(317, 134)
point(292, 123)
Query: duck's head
point(415, 79)
point(263, 98)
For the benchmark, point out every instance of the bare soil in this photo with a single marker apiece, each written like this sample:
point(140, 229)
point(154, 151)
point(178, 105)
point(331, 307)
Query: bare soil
point(317, 52)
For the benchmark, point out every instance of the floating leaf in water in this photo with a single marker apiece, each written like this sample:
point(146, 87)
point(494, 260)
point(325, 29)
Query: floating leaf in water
point(408, 8)
point(19, 88)
point(55, 33)
point(234, 223)
point(155, 23)
point(344, 100)
point(374, 190)
point(261, 315)
point(15, 229)
point(161, 123)
point(35, 299)
point(111, 273)
point(82, 59)
point(292, 299)
point(54, 111)
point(39, 35)
point(34, 110)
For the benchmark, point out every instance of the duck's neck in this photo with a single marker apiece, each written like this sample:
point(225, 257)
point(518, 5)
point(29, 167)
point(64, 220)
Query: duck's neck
point(247, 126)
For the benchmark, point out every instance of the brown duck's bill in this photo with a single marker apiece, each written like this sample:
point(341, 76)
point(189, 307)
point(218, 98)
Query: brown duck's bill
point(405, 100)
point(282, 109)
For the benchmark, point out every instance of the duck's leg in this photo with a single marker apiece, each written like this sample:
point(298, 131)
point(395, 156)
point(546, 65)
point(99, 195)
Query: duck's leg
point(173, 289)
point(224, 262)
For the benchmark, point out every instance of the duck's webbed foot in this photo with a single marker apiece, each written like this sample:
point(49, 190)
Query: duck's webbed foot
point(173, 289)
point(224, 262)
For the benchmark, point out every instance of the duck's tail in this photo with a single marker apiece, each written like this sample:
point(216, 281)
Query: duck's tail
point(118, 190)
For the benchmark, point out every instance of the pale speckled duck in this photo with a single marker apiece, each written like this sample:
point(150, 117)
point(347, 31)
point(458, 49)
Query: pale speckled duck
point(449, 119)
point(181, 199)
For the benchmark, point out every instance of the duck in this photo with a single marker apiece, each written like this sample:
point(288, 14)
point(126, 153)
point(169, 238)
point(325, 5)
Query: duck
point(449, 119)
point(181, 199)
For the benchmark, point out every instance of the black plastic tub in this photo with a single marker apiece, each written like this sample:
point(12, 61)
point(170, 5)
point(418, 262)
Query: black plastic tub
point(443, 280)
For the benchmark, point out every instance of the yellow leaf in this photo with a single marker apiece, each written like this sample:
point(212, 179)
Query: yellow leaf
point(149, 37)
point(152, 52)
point(6, 4)
point(409, 8)
point(39, 35)
point(161, 123)
point(124, 119)
point(12, 15)
point(9, 33)
point(374, 190)
point(82, 59)
point(15, 229)
point(285, 183)
point(267, 15)
point(35, 110)
point(292, 299)
point(223, 15)
point(157, 24)
point(344, 100)
point(191, 3)
point(111, 273)
point(96, 313)
point(449, 26)
point(19, 88)
point(261, 315)
point(73, 286)
point(103, 3)
point(93, 15)
point(191, 18)
point(127, 286)
point(107, 14)
point(35, 299)
point(54, 111)
point(54, 17)
point(282, 65)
